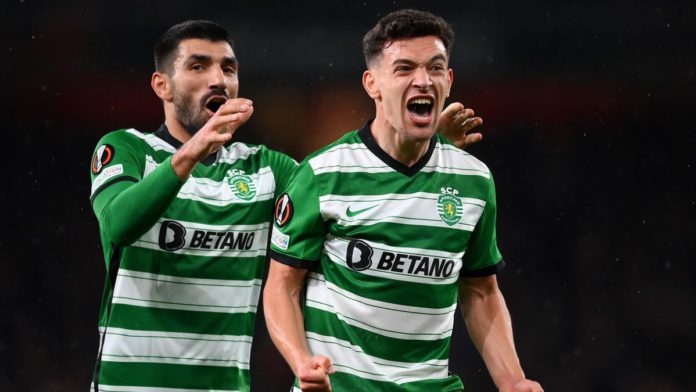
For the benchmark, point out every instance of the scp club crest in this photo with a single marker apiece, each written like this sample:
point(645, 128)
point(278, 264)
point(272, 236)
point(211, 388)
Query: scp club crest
point(449, 206)
point(242, 186)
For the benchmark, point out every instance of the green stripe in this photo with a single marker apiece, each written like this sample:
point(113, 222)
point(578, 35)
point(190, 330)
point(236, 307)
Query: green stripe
point(173, 376)
point(392, 349)
point(386, 290)
point(341, 381)
point(171, 320)
point(189, 266)
point(473, 186)
point(252, 213)
point(411, 236)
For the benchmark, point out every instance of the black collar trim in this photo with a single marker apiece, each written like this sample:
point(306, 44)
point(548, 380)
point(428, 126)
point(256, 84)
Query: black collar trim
point(163, 133)
point(366, 136)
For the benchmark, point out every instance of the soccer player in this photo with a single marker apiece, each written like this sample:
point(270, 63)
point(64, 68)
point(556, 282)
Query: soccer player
point(184, 216)
point(385, 229)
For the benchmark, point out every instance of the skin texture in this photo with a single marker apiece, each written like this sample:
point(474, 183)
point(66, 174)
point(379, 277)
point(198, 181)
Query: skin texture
point(202, 70)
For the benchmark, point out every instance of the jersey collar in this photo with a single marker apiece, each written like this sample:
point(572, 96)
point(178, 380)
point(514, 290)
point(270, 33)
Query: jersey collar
point(366, 136)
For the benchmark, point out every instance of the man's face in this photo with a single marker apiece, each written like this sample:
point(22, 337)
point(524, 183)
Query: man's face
point(413, 80)
point(204, 76)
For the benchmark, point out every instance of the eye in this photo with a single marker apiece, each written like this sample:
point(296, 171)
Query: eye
point(197, 67)
point(437, 67)
point(229, 70)
point(402, 68)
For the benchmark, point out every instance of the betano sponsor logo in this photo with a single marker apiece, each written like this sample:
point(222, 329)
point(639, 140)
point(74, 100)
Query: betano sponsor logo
point(359, 257)
point(173, 236)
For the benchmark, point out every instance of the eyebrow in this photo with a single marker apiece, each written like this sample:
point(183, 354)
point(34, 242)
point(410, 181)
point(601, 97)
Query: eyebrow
point(435, 58)
point(203, 58)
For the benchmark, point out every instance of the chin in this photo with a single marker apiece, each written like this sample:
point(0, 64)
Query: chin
point(421, 134)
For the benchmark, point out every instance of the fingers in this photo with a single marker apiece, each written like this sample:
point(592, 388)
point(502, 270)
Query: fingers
point(314, 374)
point(453, 109)
point(324, 363)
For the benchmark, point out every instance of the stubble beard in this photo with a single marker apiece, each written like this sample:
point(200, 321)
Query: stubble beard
point(188, 113)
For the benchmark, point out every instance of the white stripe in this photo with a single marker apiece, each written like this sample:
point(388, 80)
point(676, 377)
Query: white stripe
point(121, 388)
point(404, 269)
point(356, 157)
point(348, 158)
point(219, 193)
point(156, 143)
point(351, 359)
point(383, 318)
point(417, 209)
point(127, 345)
point(235, 152)
point(170, 292)
point(451, 160)
point(215, 243)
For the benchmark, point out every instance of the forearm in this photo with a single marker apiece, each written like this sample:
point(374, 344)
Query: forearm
point(490, 327)
point(281, 302)
point(128, 210)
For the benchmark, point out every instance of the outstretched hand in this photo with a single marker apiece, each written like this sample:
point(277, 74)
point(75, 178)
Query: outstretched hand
point(455, 123)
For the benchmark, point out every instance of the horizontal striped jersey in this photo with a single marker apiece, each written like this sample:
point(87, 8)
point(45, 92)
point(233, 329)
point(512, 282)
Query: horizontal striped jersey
point(180, 301)
point(386, 245)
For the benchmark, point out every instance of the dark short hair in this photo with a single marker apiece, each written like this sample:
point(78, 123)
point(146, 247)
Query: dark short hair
point(168, 43)
point(401, 24)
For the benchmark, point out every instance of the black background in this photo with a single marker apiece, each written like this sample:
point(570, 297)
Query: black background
point(588, 131)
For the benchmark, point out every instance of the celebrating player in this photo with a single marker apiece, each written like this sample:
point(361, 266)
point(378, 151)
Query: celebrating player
point(385, 229)
point(184, 220)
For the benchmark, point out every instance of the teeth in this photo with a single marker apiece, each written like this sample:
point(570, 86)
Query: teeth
point(421, 101)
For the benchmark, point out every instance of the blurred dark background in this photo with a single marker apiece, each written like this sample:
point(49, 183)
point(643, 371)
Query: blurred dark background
point(588, 130)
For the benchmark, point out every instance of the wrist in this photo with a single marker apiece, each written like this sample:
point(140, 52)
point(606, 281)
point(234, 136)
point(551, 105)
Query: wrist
point(183, 162)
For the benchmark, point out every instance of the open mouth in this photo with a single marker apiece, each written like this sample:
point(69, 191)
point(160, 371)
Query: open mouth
point(421, 107)
point(214, 103)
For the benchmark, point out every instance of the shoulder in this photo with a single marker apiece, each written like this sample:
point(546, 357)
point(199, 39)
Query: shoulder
point(336, 153)
point(134, 139)
point(453, 157)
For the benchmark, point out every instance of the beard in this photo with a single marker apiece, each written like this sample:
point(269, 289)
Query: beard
point(190, 114)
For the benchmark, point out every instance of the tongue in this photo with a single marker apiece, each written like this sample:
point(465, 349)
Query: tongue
point(420, 115)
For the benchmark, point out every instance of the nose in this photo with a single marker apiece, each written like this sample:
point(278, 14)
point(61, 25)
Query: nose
point(217, 78)
point(421, 79)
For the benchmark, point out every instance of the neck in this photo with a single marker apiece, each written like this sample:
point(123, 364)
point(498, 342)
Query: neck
point(404, 150)
point(175, 128)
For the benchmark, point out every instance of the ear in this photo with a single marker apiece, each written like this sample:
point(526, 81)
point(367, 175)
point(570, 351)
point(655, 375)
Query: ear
point(450, 75)
point(162, 86)
point(370, 84)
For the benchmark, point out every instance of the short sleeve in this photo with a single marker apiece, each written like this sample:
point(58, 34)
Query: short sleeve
point(115, 159)
point(298, 228)
point(283, 167)
point(482, 257)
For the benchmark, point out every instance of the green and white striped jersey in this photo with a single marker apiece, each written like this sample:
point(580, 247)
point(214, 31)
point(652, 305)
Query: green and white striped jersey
point(180, 301)
point(386, 245)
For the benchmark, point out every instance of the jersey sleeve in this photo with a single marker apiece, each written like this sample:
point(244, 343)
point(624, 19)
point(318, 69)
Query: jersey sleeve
point(125, 202)
point(115, 159)
point(283, 167)
point(298, 228)
point(482, 257)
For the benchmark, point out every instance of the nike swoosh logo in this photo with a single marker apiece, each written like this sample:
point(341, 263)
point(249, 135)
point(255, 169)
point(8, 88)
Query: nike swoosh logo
point(351, 214)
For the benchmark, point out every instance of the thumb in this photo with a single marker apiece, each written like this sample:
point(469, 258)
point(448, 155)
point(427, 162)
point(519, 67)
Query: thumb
point(325, 363)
